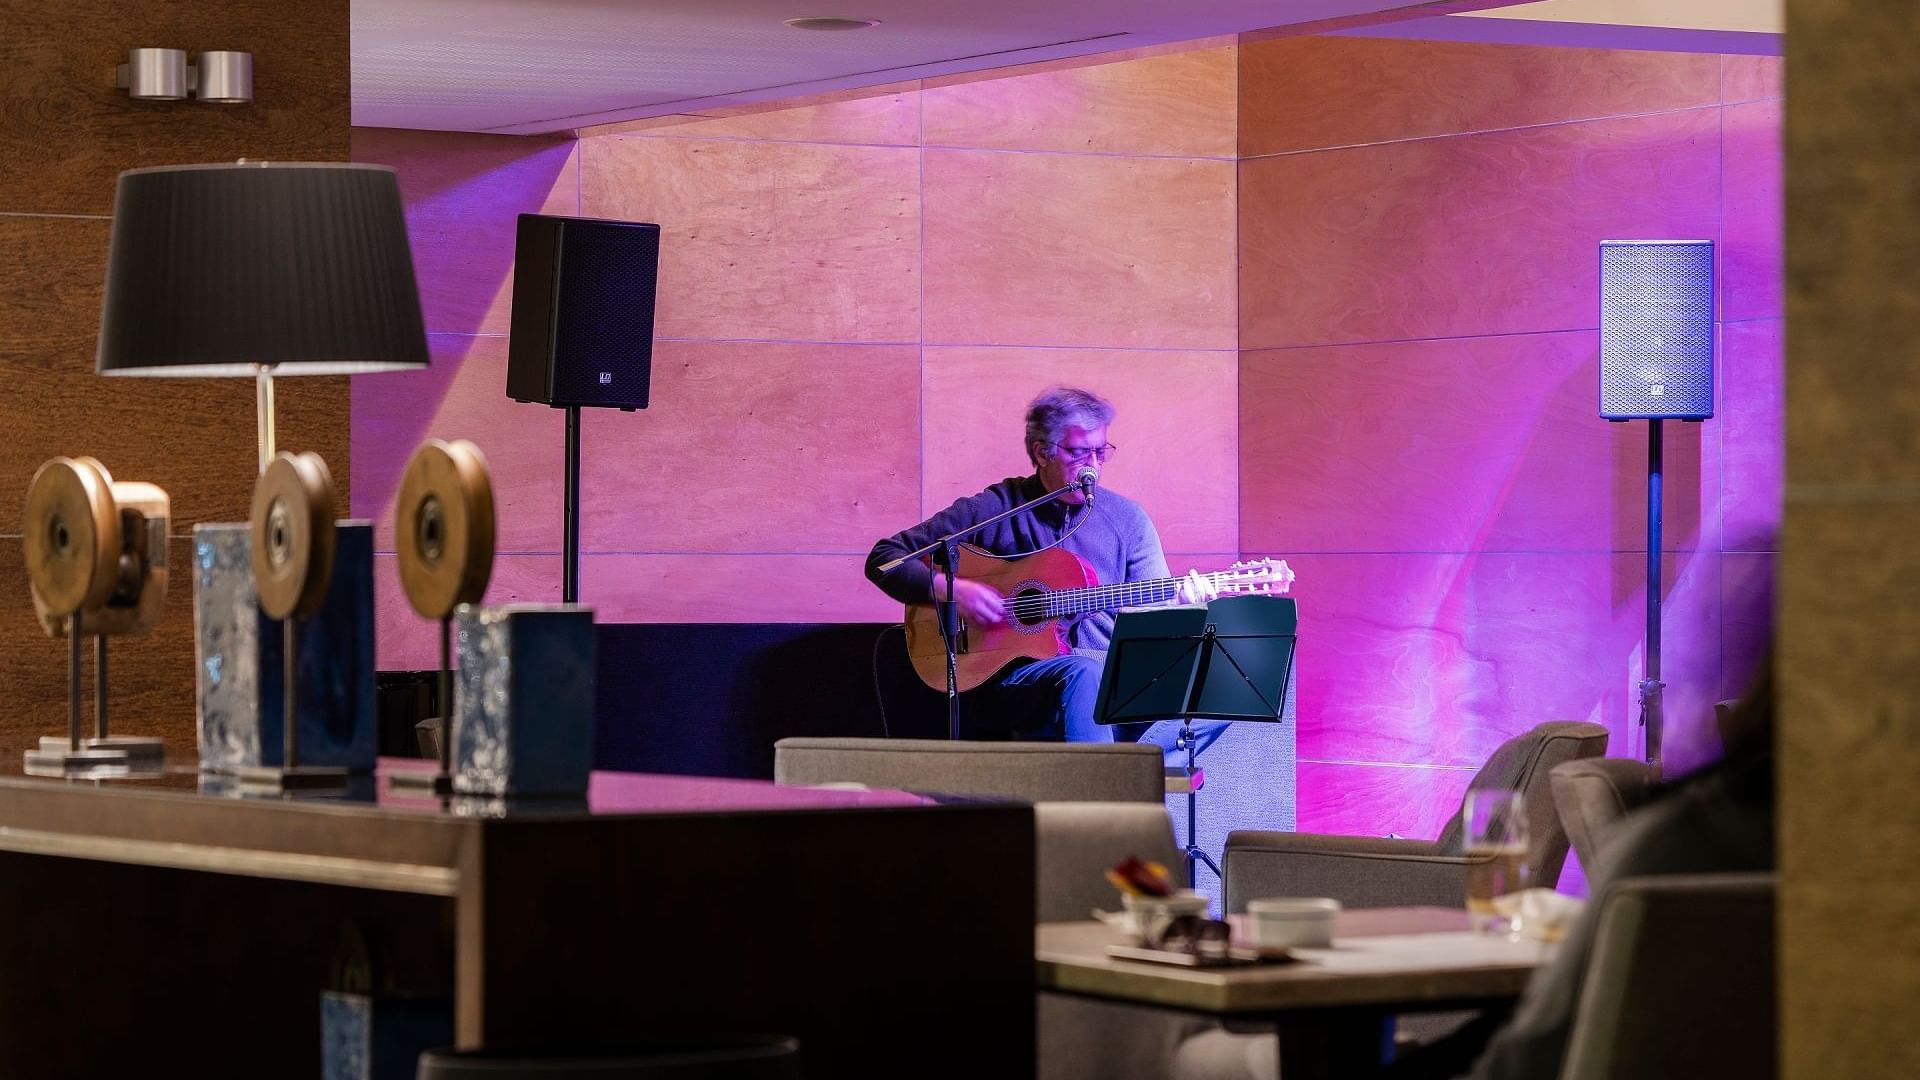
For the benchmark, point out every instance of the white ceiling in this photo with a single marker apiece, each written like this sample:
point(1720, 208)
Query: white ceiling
point(534, 66)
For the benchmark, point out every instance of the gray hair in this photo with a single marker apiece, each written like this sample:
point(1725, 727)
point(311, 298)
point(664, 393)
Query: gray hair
point(1060, 407)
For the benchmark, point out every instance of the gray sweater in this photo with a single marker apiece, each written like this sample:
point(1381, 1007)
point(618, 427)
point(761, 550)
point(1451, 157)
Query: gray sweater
point(1118, 540)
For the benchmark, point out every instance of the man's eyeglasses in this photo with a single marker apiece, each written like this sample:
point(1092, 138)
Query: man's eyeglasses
point(1080, 455)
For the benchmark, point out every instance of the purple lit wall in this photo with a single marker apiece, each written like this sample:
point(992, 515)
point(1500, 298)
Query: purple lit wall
point(1418, 429)
point(1341, 289)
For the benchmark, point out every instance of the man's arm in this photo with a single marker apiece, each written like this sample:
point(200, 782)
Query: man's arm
point(912, 581)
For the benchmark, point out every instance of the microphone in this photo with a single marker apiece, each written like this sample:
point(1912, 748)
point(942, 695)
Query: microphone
point(1087, 477)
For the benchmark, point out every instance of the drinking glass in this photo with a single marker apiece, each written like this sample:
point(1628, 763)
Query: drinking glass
point(1495, 822)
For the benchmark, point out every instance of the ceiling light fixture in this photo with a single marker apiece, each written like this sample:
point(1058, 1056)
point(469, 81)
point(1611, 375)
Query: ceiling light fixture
point(830, 23)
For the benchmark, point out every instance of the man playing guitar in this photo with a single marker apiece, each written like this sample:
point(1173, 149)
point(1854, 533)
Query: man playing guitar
point(1049, 693)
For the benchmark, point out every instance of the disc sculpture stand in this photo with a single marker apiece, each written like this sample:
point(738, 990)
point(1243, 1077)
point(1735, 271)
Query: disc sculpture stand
point(96, 554)
point(443, 535)
point(293, 543)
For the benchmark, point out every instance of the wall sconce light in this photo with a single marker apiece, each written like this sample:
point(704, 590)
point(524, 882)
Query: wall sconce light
point(165, 75)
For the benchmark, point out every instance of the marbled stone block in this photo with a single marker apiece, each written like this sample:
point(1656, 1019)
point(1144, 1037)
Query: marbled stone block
point(239, 651)
point(524, 704)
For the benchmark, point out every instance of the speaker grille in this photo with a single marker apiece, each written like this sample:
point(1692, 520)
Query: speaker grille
point(1656, 329)
point(603, 339)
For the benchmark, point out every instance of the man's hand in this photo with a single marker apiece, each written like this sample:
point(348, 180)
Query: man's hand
point(980, 603)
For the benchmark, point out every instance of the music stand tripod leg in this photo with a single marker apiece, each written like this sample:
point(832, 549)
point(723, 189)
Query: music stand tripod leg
point(1195, 855)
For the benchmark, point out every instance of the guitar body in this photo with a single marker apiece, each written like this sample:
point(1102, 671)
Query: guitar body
point(983, 650)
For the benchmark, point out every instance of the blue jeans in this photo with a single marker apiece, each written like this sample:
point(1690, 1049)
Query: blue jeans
point(1053, 699)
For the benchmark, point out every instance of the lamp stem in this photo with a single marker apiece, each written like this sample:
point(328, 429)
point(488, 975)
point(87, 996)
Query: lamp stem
point(263, 409)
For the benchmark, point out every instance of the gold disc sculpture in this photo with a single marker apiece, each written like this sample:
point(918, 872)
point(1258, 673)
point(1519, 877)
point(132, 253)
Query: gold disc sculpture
point(72, 539)
point(443, 529)
point(293, 545)
point(293, 535)
point(96, 553)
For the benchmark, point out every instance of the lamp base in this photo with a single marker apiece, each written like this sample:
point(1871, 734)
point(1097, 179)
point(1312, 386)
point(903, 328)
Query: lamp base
point(421, 783)
point(138, 749)
point(84, 762)
point(273, 780)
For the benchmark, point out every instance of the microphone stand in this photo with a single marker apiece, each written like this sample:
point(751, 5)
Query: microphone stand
point(949, 609)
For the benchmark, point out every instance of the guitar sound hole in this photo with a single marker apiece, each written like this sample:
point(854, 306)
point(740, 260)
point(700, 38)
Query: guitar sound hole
point(1029, 607)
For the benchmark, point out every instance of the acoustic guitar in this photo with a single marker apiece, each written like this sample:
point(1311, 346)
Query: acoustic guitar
point(1043, 592)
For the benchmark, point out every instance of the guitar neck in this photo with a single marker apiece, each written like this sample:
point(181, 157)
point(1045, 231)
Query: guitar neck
point(1055, 603)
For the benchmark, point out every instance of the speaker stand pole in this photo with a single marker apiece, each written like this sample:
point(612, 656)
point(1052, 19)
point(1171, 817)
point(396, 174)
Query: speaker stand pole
point(570, 513)
point(1651, 720)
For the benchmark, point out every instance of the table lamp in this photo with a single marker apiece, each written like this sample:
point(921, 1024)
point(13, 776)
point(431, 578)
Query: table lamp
point(260, 269)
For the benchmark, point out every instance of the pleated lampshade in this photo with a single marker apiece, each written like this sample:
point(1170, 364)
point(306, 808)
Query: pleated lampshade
point(218, 269)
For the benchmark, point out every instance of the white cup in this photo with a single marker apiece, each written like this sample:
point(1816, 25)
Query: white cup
point(1299, 921)
point(1148, 916)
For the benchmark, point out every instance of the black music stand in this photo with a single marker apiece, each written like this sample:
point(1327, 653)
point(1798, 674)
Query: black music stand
point(1229, 660)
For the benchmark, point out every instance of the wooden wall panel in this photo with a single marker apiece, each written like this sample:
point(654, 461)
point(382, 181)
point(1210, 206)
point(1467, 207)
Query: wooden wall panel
point(1478, 234)
point(1751, 78)
point(403, 641)
point(1313, 93)
point(784, 241)
point(464, 195)
point(700, 587)
point(1750, 253)
point(1751, 416)
point(65, 134)
point(756, 447)
point(1180, 104)
point(461, 395)
point(1175, 426)
point(876, 116)
point(1435, 659)
point(1458, 445)
point(1052, 249)
point(1371, 799)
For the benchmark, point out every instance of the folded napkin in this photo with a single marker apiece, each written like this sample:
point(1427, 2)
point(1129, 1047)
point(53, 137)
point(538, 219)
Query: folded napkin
point(1540, 913)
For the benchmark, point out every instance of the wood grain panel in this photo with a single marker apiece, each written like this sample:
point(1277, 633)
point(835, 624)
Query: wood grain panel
point(732, 588)
point(461, 396)
point(1309, 93)
point(194, 437)
point(1751, 78)
point(1049, 249)
point(1751, 269)
point(871, 116)
point(1752, 422)
point(150, 678)
point(1352, 799)
point(1476, 444)
point(66, 133)
point(757, 447)
point(1175, 424)
point(1180, 104)
point(403, 641)
point(1436, 659)
point(464, 194)
point(766, 240)
point(50, 288)
point(1477, 234)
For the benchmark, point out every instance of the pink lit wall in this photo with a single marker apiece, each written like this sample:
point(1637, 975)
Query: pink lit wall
point(1419, 361)
point(1341, 289)
point(858, 297)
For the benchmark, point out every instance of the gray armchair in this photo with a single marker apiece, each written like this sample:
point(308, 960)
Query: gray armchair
point(1593, 795)
point(1681, 981)
point(1364, 872)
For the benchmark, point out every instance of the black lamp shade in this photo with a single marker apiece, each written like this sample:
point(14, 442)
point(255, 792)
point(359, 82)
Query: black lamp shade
point(218, 269)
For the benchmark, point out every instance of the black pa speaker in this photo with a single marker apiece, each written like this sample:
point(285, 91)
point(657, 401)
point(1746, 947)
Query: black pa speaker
point(582, 331)
point(1656, 329)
